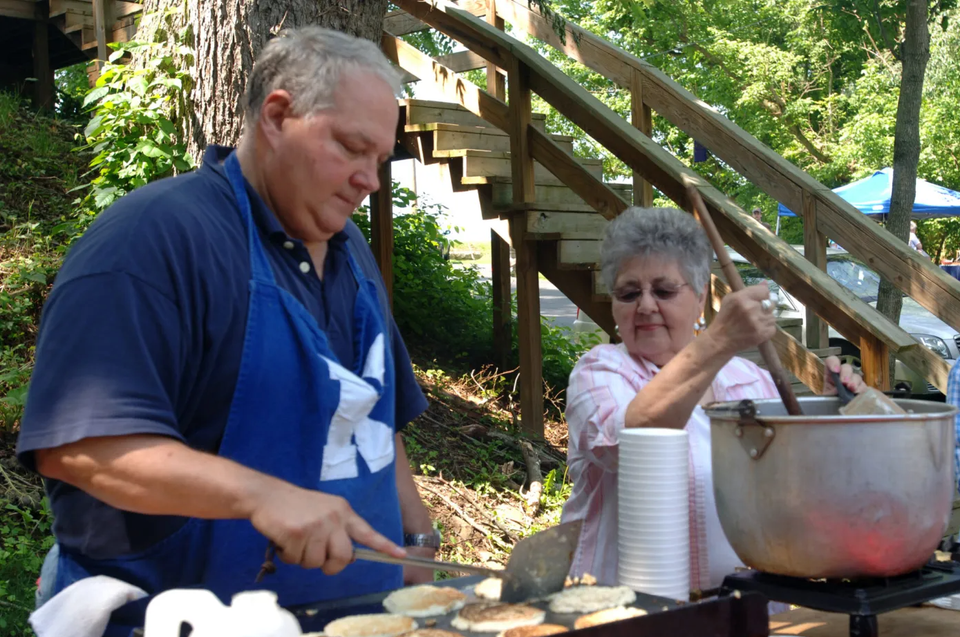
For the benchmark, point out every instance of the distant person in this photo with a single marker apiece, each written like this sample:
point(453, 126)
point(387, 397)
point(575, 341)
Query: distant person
point(915, 240)
point(758, 215)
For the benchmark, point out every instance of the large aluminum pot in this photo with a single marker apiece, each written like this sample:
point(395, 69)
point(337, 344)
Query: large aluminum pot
point(830, 496)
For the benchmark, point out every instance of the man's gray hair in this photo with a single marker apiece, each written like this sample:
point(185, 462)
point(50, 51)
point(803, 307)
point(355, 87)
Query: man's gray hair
point(307, 63)
point(666, 233)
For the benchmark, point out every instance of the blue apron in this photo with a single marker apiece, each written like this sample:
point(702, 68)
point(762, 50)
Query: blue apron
point(299, 415)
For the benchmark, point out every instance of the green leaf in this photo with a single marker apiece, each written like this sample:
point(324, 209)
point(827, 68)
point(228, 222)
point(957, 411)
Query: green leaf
point(166, 126)
point(35, 276)
point(95, 95)
point(138, 85)
point(94, 127)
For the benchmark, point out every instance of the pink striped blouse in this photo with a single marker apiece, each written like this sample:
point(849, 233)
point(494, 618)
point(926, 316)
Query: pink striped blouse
point(601, 387)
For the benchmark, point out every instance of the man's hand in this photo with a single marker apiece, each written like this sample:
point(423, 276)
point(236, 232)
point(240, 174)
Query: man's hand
point(413, 575)
point(315, 530)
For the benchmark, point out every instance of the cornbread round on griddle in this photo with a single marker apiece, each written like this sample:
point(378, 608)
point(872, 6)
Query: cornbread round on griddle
point(608, 615)
point(431, 632)
point(380, 625)
point(489, 588)
point(587, 599)
point(541, 630)
point(424, 601)
point(493, 617)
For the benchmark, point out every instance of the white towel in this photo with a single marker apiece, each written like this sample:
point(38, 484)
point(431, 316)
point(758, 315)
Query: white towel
point(83, 609)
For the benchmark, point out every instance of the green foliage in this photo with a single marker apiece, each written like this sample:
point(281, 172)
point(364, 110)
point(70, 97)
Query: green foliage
point(72, 85)
point(131, 132)
point(37, 171)
point(25, 538)
point(440, 308)
point(444, 310)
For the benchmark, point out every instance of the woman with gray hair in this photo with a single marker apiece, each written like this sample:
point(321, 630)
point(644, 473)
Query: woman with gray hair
point(656, 263)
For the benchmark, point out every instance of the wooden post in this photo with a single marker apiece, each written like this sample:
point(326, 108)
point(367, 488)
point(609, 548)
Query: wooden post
point(496, 84)
point(500, 264)
point(815, 251)
point(381, 227)
point(528, 285)
point(875, 362)
point(642, 118)
point(100, 18)
point(42, 70)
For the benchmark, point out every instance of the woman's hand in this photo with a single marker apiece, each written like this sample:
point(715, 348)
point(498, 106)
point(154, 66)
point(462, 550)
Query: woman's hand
point(853, 382)
point(743, 322)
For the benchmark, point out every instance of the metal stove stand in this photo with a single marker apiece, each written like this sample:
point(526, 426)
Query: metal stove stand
point(861, 599)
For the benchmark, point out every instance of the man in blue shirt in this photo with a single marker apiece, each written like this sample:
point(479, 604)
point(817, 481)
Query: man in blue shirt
point(217, 367)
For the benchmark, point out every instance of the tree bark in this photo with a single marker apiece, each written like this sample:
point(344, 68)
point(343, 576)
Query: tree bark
point(226, 37)
point(906, 144)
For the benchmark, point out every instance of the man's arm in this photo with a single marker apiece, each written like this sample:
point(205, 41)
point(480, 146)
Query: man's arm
point(416, 518)
point(155, 475)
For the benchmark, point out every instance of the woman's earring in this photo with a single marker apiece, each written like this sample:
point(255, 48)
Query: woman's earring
point(698, 326)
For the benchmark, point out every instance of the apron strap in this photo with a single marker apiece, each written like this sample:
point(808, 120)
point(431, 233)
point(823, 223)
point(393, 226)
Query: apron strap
point(260, 269)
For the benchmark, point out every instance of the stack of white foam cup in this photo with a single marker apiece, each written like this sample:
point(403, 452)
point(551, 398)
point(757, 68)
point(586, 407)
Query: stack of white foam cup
point(654, 518)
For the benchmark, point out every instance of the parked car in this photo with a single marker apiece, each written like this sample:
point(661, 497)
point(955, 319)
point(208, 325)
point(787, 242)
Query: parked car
point(851, 273)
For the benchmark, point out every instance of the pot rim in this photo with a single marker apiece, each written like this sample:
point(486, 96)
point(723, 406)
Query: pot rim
point(727, 413)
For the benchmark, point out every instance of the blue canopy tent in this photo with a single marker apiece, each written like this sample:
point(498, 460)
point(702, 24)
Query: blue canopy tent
point(871, 196)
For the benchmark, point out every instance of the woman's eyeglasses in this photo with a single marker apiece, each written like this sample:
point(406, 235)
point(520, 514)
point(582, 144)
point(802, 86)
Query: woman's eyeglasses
point(659, 292)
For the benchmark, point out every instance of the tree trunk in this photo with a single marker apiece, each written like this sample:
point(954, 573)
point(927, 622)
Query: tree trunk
point(906, 144)
point(226, 37)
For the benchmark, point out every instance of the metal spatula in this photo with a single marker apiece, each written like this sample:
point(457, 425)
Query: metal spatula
point(538, 565)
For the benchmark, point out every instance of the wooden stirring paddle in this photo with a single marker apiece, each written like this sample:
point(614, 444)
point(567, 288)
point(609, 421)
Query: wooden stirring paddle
point(767, 351)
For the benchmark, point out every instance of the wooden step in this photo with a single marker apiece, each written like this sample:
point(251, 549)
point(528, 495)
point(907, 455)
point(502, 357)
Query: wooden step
point(487, 167)
point(449, 137)
point(426, 112)
point(579, 254)
point(549, 224)
point(501, 198)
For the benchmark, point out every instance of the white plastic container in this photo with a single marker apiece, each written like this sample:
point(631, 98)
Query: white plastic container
point(250, 614)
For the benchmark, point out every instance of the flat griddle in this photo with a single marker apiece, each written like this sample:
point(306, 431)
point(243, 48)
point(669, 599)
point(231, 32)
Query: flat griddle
point(733, 616)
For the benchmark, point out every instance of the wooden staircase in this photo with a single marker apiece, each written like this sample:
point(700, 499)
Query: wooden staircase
point(558, 205)
point(476, 156)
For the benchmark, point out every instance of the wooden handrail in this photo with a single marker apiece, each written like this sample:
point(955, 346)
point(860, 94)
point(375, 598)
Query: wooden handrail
point(855, 319)
point(777, 177)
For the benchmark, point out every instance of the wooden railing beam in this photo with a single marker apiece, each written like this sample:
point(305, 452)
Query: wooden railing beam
point(500, 267)
point(875, 363)
point(453, 87)
point(587, 186)
point(381, 226)
point(642, 119)
point(528, 282)
point(802, 363)
point(777, 177)
point(101, 19)
point(496, 84)
point(815, 251)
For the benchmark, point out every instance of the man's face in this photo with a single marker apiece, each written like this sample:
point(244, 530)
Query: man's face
point(757, 215)
point(321, 167)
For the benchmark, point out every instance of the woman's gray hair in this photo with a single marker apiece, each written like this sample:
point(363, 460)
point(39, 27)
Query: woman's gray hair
point(666, 233)
point(307, 63)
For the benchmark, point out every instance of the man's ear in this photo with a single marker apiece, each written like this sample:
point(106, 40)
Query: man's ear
point(277, 107)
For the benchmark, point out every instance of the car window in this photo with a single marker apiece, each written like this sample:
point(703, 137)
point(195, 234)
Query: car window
point(752, 276)
point(855, 277)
